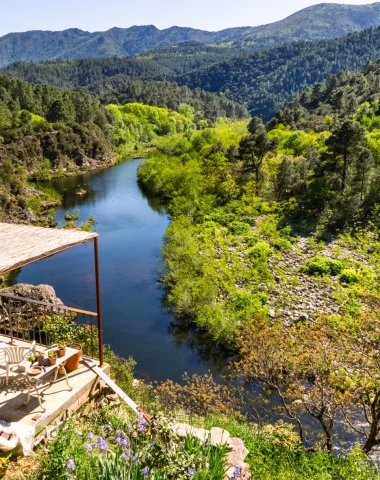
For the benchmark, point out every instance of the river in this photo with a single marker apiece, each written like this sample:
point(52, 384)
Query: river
point(131, 225)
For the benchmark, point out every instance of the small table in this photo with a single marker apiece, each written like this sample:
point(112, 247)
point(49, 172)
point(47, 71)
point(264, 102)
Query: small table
point(34, 381)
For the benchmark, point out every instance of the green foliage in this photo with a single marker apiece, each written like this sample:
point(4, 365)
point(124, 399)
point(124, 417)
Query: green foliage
point(322, 266)
point(129, 450)
point(275, 452)
point(349, 275)
point(261, 251)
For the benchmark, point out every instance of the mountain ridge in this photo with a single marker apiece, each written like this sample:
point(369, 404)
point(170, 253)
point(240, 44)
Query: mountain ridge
point(326, 20)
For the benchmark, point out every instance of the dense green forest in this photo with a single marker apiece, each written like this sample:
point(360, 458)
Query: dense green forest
point(263, 81)
point(313, 23)
point(267, 80)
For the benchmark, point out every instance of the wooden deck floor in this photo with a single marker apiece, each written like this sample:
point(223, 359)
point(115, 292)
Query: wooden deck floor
point(56, 398)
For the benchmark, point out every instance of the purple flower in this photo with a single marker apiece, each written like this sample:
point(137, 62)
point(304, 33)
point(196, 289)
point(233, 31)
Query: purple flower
point(103, 445)
point(145, 472)
point(141, 427)
point(118, 433)
point(118, 441)
point(95, 445)
point(191, 471)
point(126, 455)
point(237, 471)
point(90, 436)
point(88, 447)
point(124, 442)
point(70, 466)
point(136, 458)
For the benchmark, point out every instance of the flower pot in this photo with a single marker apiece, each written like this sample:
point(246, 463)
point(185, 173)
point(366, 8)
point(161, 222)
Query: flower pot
point(40, 360)
point(53, 360)
point(62, 352)
point(72, 363)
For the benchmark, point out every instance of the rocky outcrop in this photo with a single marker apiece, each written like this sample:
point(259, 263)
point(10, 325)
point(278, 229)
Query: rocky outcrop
point(41, 293)
point(236, 467)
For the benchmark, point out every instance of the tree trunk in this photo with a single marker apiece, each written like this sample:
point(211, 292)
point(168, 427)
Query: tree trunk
point(344, 173)
point(257, 174)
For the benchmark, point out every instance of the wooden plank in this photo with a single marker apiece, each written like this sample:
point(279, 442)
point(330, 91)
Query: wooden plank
point(112, 384)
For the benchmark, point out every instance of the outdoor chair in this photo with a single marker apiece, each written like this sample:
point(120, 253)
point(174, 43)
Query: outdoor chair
point(16, 355)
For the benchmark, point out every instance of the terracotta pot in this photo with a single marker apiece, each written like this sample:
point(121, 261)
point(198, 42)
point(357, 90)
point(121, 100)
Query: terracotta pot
point(53, 360)
point(62, 352)
point(40, 360)
point(72, 363)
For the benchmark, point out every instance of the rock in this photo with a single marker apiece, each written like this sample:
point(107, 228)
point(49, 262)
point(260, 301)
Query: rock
point(237, 446)
point(42, 293)
point(219, 436)
point(135, 383)
point(183, 430)
point(272, 313)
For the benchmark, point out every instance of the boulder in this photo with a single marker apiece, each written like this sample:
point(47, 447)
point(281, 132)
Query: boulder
point(42, 293)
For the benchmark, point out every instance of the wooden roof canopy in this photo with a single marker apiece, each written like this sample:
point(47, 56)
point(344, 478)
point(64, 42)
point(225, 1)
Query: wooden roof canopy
point(23, 244)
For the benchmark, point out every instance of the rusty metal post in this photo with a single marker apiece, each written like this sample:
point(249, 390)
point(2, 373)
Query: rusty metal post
point(98, 300)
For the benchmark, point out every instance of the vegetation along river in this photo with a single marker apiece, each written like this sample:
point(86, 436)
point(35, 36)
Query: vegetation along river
point(131, 227)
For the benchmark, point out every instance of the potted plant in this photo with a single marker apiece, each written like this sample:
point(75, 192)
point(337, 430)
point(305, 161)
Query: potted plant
point(62, 349)
point(52, 357)
point(32, 358)
point(41, 358)
point(72, 363)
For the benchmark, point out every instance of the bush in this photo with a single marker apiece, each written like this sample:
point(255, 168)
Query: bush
point(261, 251)
point(319, 266)
point(239, 228)
point(349, 276)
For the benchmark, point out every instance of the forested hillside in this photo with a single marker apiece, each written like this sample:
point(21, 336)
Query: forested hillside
point(265, 81)
point(45, 131)
point(168, 62)
point(121, 80)
point(316, 22)
point(339, 96)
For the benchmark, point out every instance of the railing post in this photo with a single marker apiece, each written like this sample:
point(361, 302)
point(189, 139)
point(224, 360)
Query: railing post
point(98, 300)
point(10, 319)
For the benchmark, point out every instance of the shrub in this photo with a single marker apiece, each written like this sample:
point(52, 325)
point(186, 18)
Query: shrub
point(239, 228)
point(261, 251)
point(319, 266)
point(349, 276)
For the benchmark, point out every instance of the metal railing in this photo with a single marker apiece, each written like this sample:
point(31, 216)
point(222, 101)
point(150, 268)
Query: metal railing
point(48, 323)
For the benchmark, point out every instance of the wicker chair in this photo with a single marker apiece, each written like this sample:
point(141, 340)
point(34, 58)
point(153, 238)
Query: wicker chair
point(16, 355)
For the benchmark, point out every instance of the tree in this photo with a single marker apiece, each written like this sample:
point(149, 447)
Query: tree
point(346, 137)
point(254, 147)
point(298, 364)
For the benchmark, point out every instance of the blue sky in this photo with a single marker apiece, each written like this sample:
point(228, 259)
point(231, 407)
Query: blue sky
point(98, 15)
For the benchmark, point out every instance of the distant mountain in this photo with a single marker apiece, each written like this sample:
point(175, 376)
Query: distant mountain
point(323, 21)
point(316, 22)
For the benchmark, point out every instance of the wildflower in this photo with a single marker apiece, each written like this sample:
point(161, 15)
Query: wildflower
point(124, 442)
point(90, 436)
point(126, 455)
point(145, 472)
point(118, 441)
point(70, 466)
point(103, 445)
point(129, 426)
point(237, 471)
point(141, 427)
point(118, 433)
point(88, 447)
point(191, 471)
point(95, 445)
point(136, 458)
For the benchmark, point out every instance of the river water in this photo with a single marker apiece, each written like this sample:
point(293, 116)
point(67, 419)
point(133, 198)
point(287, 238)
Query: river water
point(131, 225)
